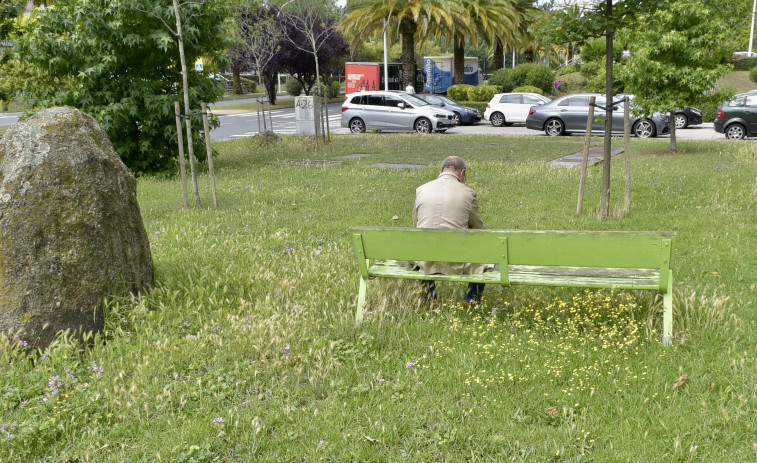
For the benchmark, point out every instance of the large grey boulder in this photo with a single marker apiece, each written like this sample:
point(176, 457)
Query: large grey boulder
point(70, 228)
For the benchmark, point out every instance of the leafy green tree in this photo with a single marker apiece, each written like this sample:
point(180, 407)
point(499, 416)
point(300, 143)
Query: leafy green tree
point(676, 56)
point(601, 20)
point(122, 66)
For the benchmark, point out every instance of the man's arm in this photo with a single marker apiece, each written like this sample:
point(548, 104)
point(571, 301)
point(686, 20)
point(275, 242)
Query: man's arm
point(474, 221)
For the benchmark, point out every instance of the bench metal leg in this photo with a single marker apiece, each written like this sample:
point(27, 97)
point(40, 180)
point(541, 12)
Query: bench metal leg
point(667, 316)
point(360, 301)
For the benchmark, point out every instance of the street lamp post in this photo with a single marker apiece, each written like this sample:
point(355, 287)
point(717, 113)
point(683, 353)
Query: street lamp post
point(751, 33)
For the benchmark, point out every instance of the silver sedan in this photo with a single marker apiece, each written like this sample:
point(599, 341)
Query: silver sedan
point(568, 114)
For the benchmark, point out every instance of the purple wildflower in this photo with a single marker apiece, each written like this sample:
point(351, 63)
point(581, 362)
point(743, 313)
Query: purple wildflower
point(218, 420)
point(286, 350)
point(409, 364)
point(98, 369)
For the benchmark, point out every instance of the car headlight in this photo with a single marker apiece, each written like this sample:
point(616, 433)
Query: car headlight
point(442, 116)
point(696, 111)
point(471, 111)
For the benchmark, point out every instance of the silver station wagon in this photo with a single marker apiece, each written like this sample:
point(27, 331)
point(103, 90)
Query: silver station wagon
point(393, 111)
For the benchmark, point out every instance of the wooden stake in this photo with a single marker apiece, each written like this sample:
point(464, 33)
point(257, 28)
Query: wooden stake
point(627, 149)
point(585, 160)
point(177, 111)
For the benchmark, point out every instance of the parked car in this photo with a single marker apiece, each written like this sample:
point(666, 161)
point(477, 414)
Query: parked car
point(464, 115)
point(687, 116)
point(394, 111)
point(738, 118)
point(744, 54)
point(683, 117)
point(568, 114)
point(507, 108)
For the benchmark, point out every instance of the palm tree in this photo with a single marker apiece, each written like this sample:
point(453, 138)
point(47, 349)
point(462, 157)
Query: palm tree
point(408, 18)
point(489, 19)
point(506, 37)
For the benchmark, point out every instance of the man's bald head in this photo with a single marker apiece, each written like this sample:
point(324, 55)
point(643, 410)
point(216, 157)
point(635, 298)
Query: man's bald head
point(453, 164)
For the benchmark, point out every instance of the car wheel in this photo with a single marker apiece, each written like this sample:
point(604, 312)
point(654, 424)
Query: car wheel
point(644, 129)
point(458, 120)
point(735, 132)
point(357, 125)
point(682, 121)
point(423, 125)
point(497, 119)
point(554, 127)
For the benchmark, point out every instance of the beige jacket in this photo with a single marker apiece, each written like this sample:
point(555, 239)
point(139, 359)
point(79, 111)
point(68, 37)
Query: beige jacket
point(446, 203)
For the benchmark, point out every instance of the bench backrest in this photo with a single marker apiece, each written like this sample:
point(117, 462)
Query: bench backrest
point(604, 249)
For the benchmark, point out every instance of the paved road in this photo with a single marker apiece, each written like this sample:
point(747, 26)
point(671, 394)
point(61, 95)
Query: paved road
point(8, 118)
point(239, 124)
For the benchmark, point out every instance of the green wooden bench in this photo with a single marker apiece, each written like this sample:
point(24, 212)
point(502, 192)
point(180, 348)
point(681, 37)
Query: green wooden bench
point(622, 260)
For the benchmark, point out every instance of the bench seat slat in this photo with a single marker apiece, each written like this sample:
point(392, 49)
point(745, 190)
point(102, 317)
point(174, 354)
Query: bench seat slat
point(588, 277)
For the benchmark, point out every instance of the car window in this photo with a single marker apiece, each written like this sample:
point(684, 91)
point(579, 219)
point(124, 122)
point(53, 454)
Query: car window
point(415, 101)
point(576, 101)
point(737, 102)
point(532, 100)
point(751, 101)
point(375, 100)
point(511, 99)
point(448, 100)
point(433, 100)
point(392, 101)
point(360, 99)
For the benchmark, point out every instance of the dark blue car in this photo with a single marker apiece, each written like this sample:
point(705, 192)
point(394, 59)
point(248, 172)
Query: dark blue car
point(464, 115)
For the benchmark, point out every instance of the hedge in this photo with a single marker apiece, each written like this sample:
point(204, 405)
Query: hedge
point(459, 92)
point(744, 64)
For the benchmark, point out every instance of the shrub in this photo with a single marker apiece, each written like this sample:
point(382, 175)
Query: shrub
point(334, 89)
point(508, 79)
point(541, 77)
point(481, 92)
point(528, 89)
point(480, 105)
point(459, 92)
point(294, 87)
point(248, 84)
point(597, 49)
point(753, 74)
point(590, 69)
point(568, 69)
point(597, 83)
point(744, 64)
point(502, 78)
point(560, 86)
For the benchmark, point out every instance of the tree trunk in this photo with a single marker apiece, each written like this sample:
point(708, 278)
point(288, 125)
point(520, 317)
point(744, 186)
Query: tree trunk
point(498, 60)
point(459, 58)
point(604, 204)
point(236, 80)
point(407, 30)
point(528, 55)
point(673, 143)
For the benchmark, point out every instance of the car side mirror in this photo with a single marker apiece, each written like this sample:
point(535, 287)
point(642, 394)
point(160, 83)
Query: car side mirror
point(401, 105)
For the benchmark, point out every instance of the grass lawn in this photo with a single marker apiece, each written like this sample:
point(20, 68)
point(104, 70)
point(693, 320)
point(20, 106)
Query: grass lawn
point(246, 348)
point(738, 80)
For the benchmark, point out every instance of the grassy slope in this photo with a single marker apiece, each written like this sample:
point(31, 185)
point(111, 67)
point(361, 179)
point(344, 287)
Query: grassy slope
point(250, 322)
point(738, 80)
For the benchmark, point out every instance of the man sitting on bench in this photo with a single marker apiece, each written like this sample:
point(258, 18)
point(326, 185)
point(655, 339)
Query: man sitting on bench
point(447, 203)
